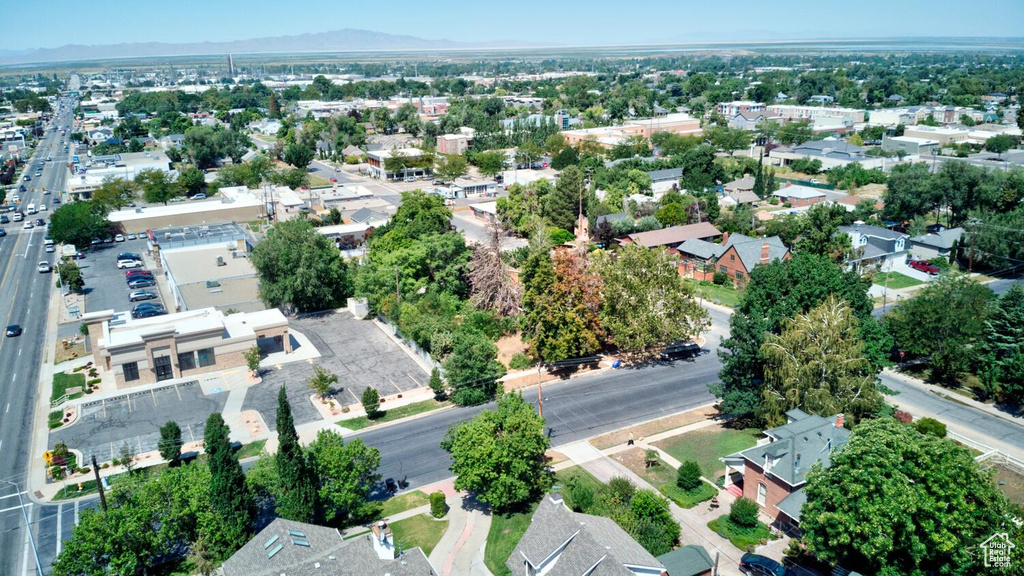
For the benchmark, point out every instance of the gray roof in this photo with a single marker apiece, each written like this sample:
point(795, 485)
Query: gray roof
point(811, 438)
point(793, 504)
point(701, 249)
point(749, 249)
point(689, 560)
point(872, 231)
point(364, 215)
point(944, 239)
point(572, 544)
point(835, 149)
point(666, 175)
point(325, 555)
point(745, 183)
point(744, 197)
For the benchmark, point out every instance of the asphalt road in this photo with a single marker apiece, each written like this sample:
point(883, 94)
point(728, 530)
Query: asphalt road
point(24, 296)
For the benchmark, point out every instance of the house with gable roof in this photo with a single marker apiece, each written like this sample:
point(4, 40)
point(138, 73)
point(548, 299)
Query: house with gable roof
point(774, 473)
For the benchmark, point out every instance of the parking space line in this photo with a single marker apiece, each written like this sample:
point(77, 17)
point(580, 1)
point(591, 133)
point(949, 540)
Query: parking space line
point(153, 393)
point(353, 394)
point(189, 427)
point(178, 392)
point(395, 385)
point(414, 381)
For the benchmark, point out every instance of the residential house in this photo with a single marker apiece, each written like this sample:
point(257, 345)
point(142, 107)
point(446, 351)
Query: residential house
point(690, 560)
point(937, 244)
point(300, 549)
point(749, 121)
point(874, 245)
point(745, 184)
point(697, 259)
point(171, 141)
point(741, 254)
point(672, 236)
point(799, 196)
point(99, 135)
point(774, 473)
point(560, 542)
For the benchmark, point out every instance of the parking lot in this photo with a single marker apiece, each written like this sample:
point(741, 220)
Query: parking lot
point(104, 425)
point(105, 286)
point(357, 351)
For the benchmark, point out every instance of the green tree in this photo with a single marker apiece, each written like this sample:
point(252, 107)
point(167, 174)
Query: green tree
point(818, 365)
point(448, 167)
point(192, 180)
point(895, 501)
point(728, 139)
point(71, 275)
point(759, 189)
point(490, 164)
point(795, 133)
point(775, 293)
point(114, 193)
point(229, 496)
point(157, 186)
point(1002, 345)
point(820, 232)
point(499, 454)
point(564, 204)
point(743, 513)
point(688, 475)
point(348, 476)
point(301, 267)
point(1001, 143)
point(527, 154)
point(436, 383)
point(322, 381)
point(561, 307)
point(299, 502)
point(252, 359)
point(77, 223)
point(943, 321)
point(371, 402)
point(554, 144)
point(170, 442)
point(645, 300)
point(298, 156)
point(700, 171)
point(472, 369)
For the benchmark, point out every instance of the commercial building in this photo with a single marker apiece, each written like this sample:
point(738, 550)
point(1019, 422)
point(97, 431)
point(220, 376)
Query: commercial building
point(217, 276)
point(453, 143)
point(730, 109)
point(910, 145)
point(379, 160)
point(236, 204)
point(830, 152)
point(180, 345)
point(944, 136)
point(85, 179)
point(608, 136)
point(792, 113)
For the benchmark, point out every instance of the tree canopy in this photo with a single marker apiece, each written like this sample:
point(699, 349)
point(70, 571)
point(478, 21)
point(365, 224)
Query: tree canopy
point(77, 223)
point(301, 267)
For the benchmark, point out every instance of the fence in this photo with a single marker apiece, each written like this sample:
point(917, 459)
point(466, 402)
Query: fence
point(414, 347)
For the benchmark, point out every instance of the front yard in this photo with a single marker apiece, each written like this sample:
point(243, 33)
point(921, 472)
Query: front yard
point(422, 530)
point(61, 383)
point(707, 445)
point(663, 477)
point(740, 536)
point(896, 280)
point(724, 294)
point(505, 533)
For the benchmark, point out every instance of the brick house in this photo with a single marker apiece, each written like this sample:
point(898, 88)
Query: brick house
point(740, 254)
point(672, 236)
point(774, 473)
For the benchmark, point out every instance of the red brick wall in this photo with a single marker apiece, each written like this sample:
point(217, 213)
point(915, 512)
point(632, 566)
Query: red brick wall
point(777, 491)
point(798, 202)
point(730, 263)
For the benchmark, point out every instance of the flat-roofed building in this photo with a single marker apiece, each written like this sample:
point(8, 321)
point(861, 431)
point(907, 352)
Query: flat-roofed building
point(609, 136)
point(220, 276)
point(180, 345)
point(234, 204)
point(379, 160)
point(944, 136)
point(126, 166)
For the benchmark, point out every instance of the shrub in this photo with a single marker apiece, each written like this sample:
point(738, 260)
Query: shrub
point(371, 402)
point(104, 466)
point(438, 508)
point(621, 489)
point(902, 416)
point(581, 495)
point(688, 475)
point(94, 381)
point(720, 278)
point(931, 426)
point(519, 361)
point(743, 513)
point(560, 236)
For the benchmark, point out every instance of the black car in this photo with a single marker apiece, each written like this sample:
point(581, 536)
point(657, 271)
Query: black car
point(148, 313)
point(13, 330)
point(757, 565)
point(680, 349)
point(128, 256)
point(40, 222)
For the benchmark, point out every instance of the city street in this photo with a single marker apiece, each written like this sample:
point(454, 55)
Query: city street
point(24, 295)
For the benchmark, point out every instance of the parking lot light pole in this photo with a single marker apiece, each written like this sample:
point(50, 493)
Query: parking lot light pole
point(28, 526)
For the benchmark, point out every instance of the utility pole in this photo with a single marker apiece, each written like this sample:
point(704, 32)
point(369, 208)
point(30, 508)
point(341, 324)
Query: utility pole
point(99, 484)
point(28, 526)
point(540, 391)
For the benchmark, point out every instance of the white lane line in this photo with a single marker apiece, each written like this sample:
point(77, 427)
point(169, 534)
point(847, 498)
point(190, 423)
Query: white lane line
point(15, 377)
point(19, 352)
point(8, 408)
point(24, 559)
point(76, 512)
point(1, 445)
point(15, 495)
point(60, 516)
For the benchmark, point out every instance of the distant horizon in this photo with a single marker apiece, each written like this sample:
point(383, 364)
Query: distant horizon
point(581, 23)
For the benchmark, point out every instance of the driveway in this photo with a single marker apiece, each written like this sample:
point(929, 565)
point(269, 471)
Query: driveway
point(357, 351)
point(103, 426)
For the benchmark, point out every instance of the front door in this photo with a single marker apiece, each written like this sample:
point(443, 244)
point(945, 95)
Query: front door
point(163, 368)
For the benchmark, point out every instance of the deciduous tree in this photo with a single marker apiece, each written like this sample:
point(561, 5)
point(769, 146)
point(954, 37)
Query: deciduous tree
point(491, 284)
point(301, 267)
point(347, 474)
point(561, 304)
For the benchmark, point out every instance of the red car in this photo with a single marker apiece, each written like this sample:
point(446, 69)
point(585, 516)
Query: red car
point(129, 274)
point(924, 266)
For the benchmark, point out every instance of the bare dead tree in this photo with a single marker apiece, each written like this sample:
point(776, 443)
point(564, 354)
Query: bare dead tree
point(492, 285)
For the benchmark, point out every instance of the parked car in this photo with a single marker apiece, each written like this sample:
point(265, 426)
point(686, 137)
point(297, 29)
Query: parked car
point(133, 273)
point(199, 196)
point(924, 266)
point(128, 263)
point(145, 282)
point(680, 349)
point(140, 295)
point(757, 565)
point(131, 236)
point(50, 248)
point(4, 219)
point(44, 268)
point(3, 232)
point(148, 312)
point(42, 207)
point(119, 238)
point(13, 330)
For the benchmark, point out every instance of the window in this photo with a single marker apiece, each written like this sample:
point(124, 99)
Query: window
point(762, 493)
point(723, 269)
point(207, 357)
point(739, 275)
point(732, 257)
point(186, 360)
point(131, 371)
point(164, 371)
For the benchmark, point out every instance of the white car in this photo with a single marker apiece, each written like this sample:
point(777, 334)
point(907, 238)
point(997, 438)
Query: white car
point(28, 226)
point(129, 263)
point(119, 238)
point(132, 236)
point(42, 207)
point(50, 248)
point(43, 268)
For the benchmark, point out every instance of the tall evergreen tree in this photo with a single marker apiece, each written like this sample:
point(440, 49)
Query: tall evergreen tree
point(299, 498)
point(759, 177)
point(229, 494)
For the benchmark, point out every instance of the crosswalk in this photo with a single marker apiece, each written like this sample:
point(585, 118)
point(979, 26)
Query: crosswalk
point(52, 525)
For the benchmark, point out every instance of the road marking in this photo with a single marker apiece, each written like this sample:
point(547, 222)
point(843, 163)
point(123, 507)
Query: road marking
point(8, 408)
point(15, 377)
point(24, 559)
point(19, 352)
point(153, 394)
point(60, 516)
point(76, 512)
point(395, 385)
point(1, 445)
point(15, 495)
point(414, 381)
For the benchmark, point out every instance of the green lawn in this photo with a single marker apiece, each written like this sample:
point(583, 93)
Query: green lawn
point(423, 531)
point(406, 501)
point(56, 419)
point(739, 536)
point(72, 491)
point(562, 478)
point(726, 294)
point(251, 449)
point(62, 381)
point(688, 498)
point(707, 445)
point(896, 280)
point(506, 532)
point(394, 414)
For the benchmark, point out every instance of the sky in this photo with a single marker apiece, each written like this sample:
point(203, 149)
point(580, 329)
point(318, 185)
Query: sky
point(566, 22)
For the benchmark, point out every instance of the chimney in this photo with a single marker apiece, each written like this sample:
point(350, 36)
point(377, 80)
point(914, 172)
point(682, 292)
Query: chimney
point(725, 238)
point(796, 464)
point(839, 421)
point(764, 253)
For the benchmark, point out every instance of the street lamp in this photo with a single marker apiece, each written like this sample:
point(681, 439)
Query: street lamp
point(28, 526)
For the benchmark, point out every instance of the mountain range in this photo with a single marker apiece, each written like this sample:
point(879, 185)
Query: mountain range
point(345, 40)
